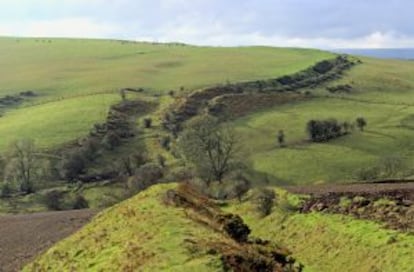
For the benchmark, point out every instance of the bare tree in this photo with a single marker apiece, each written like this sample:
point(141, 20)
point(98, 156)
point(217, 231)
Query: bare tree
point(22, 166)
point(210, 146)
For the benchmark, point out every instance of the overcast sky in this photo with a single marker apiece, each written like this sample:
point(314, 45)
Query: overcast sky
point(299, 23)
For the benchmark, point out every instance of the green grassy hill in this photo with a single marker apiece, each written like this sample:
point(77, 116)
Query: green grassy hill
point(382, 92)
point(76, 80)
point(144, 234)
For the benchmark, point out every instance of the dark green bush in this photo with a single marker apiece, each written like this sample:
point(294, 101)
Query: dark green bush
point(147, 175)
point(111, 140)
point(5, 190)
point(161, 160)
point(265, 199)
point(53, 200)
point(80, 203)
point(72, 165)
point(147, 123)
point(165, 142)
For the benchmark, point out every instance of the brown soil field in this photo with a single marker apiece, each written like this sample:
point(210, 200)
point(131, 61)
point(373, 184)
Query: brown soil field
point(396, 211)
point(357, 188)
point(23, 237)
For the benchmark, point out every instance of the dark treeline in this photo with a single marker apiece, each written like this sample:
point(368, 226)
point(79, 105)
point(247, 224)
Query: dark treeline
point(311, 77)
point(325, 130)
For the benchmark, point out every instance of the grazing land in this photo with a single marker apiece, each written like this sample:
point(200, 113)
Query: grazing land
point(101, 121)
point(381, 92)
point(80, 78)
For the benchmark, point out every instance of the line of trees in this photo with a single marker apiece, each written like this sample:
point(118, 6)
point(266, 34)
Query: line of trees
point(325, 130)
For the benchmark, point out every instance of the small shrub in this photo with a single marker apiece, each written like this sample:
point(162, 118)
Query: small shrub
point(72, 165)
point(5, 190)
point(111, 140)
point(344, 202)
point(27, 187)
point(53, 200)
point(147, 175)
point(128, 165)
point(150, 172)
point(240, 189)
point(369, 173)
point(265, 199)
point(165, 142)
point(161, 160)
point(289, 203)
point(147, 123)
point(90, 147)
point(80, 203)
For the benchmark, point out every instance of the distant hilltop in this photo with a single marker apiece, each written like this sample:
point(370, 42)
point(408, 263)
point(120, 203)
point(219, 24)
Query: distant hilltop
point(384, 53)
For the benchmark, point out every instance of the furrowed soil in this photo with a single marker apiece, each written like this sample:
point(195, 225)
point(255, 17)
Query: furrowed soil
point(389, 203)
point(357, 188)
point(22, 237)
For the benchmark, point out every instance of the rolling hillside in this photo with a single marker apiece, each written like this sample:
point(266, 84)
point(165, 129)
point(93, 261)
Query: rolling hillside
point(382, 92)
point(76, 80)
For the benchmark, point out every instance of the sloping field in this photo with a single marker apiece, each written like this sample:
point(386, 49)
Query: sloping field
point(59, 69)
point(382, 92)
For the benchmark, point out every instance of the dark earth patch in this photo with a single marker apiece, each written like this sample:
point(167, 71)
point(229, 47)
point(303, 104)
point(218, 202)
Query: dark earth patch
point(23, 237)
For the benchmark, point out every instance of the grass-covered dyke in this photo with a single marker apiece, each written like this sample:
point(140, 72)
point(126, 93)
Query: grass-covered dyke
point(196, 102)
point(239, 253)
point(145, 234)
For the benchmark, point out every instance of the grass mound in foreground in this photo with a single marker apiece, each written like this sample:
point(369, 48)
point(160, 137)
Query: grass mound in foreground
point(144, 234)
point(330, 242)
point(139, 234)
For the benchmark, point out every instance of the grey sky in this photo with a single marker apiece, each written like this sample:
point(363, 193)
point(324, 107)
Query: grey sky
point(304, 23)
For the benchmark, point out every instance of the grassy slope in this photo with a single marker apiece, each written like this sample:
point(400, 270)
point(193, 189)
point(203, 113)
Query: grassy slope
point(143, 234)
point(64, 68)
point(138, 234)
point(325, 242)
point(384, 95)
point(55, 123)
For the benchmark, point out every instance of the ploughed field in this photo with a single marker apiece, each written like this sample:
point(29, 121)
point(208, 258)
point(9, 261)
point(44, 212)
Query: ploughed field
point(23, 237)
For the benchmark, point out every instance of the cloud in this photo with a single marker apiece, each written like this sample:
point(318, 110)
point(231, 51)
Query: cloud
point(66, 27)
point(299, 23)
point(217, 34)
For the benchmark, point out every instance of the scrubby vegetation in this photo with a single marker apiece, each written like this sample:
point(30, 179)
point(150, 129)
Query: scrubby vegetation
point(194, 103)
